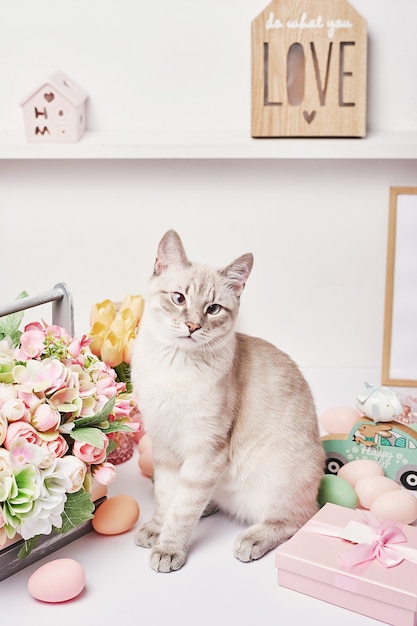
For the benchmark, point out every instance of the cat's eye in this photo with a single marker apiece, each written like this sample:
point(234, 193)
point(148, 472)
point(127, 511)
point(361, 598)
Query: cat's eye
point(213, 309)
point(177, 298)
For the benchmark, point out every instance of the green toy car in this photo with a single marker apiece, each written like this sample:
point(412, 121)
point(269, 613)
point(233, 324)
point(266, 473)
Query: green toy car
point(392, 444)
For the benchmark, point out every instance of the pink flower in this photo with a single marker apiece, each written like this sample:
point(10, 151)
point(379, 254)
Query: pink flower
point(21, 430)
point(77, 345)
point(31, 342)
point(56, 332)
point(45, 418)
point(57, 447)
point(37, 376)
point(22, 452)
point(89, 453)
point(104, 473)
point(123, 407)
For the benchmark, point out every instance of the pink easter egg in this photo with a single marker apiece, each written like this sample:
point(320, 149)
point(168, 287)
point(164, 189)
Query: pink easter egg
point(339, 419)
point(397, 506)
point(144, 443)
point(57, 581)
point(146, 463)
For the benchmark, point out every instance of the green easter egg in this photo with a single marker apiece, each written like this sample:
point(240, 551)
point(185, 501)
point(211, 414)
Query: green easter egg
point(337, 491)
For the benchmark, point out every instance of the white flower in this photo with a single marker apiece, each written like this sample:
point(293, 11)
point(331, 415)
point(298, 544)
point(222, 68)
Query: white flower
point(48, 507)
point(3, 428)
point(75, 470)
point(5, 463)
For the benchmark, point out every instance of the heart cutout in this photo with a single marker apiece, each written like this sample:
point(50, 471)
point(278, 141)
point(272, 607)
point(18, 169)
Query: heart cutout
point(309, 117)
point(49, 96)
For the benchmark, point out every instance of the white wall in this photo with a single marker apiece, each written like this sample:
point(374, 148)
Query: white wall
point(180, 64)
point(318, 229)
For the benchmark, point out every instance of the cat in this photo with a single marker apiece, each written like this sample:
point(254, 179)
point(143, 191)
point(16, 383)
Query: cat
point(231, 418)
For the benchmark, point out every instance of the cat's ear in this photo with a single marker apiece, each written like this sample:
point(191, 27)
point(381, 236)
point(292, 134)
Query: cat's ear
point(170, 252)
point(237, 273)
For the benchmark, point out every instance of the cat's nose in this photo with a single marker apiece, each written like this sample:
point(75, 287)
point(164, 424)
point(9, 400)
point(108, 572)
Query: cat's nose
point(193, 327)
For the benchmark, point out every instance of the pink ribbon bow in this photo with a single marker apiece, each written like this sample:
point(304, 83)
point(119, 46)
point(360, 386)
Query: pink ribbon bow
point(385, 533)
point(383, 541)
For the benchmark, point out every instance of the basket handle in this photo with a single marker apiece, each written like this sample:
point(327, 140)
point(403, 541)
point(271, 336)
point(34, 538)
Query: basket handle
point(62, 306)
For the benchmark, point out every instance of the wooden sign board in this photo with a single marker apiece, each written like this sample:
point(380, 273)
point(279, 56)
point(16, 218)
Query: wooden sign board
point(309, 62)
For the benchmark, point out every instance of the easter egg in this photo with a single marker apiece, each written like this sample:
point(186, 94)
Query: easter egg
point(57, 581)
point(339, 419)
point(146, 463)
point(337, 491)
point(144, 443)
point(116, 515)
point(370, 488)
point(361, 468)
point(397, 506)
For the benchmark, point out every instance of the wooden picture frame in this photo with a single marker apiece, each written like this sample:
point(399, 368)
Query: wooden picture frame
point(399, 358)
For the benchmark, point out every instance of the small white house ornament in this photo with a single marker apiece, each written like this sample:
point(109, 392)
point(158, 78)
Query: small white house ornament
point(55, 112)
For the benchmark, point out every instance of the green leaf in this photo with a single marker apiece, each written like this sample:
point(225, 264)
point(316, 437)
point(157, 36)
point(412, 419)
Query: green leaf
point(123, 375)
point(28, 546)
point(78, 509)
point(88, 435)
point(9, 324)
point(117, 426)
point(98, 418)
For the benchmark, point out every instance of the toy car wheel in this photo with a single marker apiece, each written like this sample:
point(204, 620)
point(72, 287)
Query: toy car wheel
point(333, 465)
point(409, 480)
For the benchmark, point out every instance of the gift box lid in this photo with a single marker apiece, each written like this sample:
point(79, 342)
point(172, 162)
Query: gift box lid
point(317, 557)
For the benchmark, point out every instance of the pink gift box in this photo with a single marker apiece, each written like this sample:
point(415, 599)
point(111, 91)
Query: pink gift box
point(311, 563)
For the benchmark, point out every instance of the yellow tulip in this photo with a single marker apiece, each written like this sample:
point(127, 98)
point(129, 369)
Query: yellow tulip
point(112, 349)
point(135, 304)
point(118, 326)
point(128, 346)
point(97, 334)
point(129, 321)
point(103, 312)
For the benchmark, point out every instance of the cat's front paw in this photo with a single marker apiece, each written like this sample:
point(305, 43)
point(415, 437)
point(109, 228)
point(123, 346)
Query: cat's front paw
point(167, 560)
point(254, 542)
point(147, 534)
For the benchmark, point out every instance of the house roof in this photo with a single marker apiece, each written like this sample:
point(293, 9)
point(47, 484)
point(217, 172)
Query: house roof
point(64, 85)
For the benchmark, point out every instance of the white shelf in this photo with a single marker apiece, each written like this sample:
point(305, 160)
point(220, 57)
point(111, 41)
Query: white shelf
point(210, 145)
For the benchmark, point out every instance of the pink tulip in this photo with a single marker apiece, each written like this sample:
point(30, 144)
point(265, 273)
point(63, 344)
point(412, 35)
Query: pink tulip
point(91, 454)
point(104, 473)
point(45, 418)
point(57, 447)
point(21, 430)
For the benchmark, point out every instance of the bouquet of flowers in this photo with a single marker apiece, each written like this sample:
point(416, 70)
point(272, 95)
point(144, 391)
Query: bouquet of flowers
point(59, 406)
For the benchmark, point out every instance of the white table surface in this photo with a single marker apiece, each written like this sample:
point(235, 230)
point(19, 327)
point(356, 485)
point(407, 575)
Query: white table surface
point(212, 589)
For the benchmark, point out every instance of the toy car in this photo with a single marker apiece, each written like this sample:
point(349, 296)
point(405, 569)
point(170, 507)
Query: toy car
point(392, 444)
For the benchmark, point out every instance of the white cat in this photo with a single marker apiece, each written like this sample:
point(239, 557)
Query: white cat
point(231, 419)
